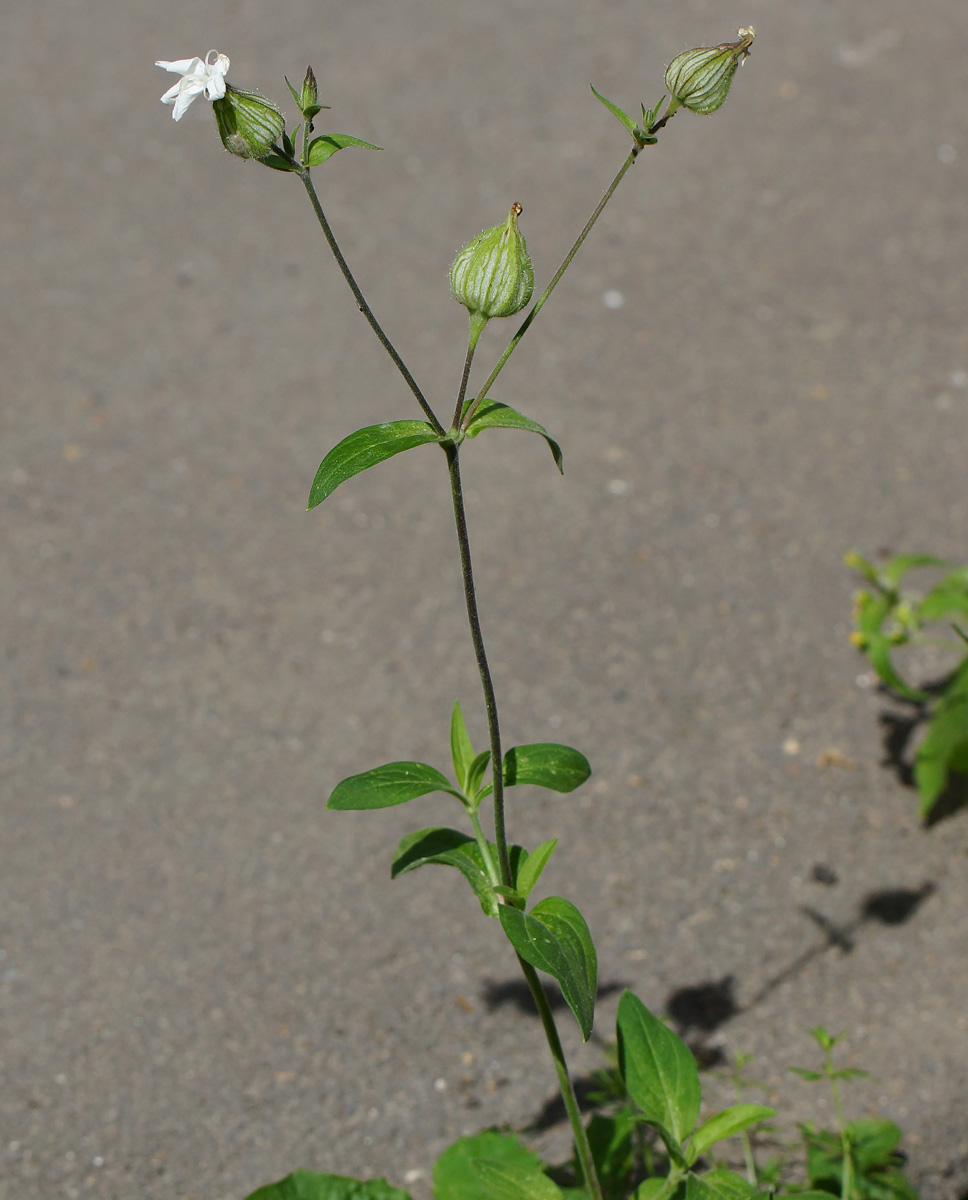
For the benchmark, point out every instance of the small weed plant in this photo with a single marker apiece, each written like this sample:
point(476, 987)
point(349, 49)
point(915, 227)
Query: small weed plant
point(888, 618)
point(648, 1138)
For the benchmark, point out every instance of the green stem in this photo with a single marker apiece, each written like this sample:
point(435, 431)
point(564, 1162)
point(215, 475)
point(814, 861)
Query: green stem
point(582, 1148)
point(364, 307)
point(539, 303)
point(847, 1172)
point(489, 866)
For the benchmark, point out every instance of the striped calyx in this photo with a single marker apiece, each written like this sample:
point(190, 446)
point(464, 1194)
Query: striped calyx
point(699, 79)
point(248, 124)
point(492, 276)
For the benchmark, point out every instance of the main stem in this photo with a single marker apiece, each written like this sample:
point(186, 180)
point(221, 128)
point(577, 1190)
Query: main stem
point(582, 1148)
point(364, 308)
point(480, 653)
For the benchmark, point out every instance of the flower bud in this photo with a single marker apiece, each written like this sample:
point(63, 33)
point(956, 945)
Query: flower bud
point(248, 124)
point(492, 276)
point(699, 79)
point(310, 93)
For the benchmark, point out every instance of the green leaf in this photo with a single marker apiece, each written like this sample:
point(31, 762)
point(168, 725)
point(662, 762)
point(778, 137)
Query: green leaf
point(461, 750)
point(659, 1071)
point(554, 938)
point(610, 1141)
point(945, 746)
point(476, 773)
point(811, 1076)
point(308, 1185)
point(383, 787)
point(544, 764)
point(441, 846)
point(651, 1188)
point(457, 1173)
point(326, 146)
point(726, 1124)
point(364, 449)
point(948, 596)
point(533, 865)
point(899, 566)
point(727, 1185)
point(500, 1181)
point(492, 415)
point(278, 164)
point(617, 112)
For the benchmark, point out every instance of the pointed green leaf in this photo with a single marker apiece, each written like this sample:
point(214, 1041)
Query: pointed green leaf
point(492, 415)
point(308, 1185)
point(899, 566)
point(726, 1124)
point(461, 750)
point(945, 746)
point(476, 773)
point(659, 1070)
point(383, 787)
point(649, 1189)
point(617, 112)
point(326, 146)
point(446, 847)
point(720, 1184)
point(457, 1174)
point(533, 865)
point(948, 596)
point(278, 164)
point(554, 938)
point(366, 448)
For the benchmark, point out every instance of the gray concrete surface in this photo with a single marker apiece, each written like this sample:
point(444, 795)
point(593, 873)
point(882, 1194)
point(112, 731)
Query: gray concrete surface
point(206, 979)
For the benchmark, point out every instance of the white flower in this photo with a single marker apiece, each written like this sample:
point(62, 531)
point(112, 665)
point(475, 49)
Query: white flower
point(197, 76)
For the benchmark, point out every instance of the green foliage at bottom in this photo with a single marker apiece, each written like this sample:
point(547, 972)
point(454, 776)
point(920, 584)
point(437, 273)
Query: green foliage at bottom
point(308, 1185)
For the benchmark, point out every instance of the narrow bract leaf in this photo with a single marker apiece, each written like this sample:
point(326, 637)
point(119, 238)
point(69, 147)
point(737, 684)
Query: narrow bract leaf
point(308, 1185)
point(326, 146)
point(658, 1068)
point(533, 865)
point(383, 787)
point(617, 112)
point(492, 415)
point(461, 750)
point(366, 448)
point(899, 566)
point(554, 938)
point(726, 1124)
point(476, 773)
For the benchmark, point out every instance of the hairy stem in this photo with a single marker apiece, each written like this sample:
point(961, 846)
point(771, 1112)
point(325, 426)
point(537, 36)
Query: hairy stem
point(364, 308)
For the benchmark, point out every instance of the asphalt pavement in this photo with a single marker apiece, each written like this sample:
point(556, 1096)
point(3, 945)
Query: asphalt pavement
point(758, 361)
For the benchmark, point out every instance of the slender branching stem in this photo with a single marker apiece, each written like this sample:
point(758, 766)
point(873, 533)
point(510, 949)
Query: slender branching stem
point(539, 303)
point(364, 308)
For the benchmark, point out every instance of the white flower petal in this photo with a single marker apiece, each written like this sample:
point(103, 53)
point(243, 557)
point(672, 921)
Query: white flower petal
point(182, 66)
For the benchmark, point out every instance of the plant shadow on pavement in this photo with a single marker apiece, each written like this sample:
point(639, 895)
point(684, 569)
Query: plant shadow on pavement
point(697, 1011)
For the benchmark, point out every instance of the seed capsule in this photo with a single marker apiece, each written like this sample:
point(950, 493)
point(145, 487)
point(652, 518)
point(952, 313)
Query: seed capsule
point(699, 79)
point(248, 124)
point(492, 276)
